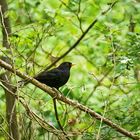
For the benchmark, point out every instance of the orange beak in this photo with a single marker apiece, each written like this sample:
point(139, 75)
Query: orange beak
point(73, 65)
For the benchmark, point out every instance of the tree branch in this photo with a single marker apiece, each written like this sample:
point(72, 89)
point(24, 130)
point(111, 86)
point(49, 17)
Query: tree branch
point(83, 35)
point(55, 94)
point(32, 115)
point(10, 100)
point(57, 118)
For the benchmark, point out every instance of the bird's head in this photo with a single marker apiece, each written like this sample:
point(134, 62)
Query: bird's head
point(65, 65)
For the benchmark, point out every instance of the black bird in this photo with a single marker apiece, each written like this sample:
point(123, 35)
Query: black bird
point(56, 77)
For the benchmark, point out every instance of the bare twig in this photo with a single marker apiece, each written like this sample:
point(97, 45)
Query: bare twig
point(33, 115)
point(82, 36)
point(57, 118)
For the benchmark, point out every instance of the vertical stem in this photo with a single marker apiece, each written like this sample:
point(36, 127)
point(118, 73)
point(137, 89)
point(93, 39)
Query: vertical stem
point(10, 100)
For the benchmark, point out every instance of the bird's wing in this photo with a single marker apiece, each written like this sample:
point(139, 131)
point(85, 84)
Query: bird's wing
point(53, 74)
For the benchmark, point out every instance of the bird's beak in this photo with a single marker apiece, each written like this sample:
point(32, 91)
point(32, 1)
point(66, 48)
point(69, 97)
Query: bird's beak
point(73, 65)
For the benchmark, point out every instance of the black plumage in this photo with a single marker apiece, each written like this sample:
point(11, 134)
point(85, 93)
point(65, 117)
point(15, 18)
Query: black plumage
point(56, 77)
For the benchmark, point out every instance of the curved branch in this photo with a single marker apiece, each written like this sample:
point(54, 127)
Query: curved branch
point(57, 118)
point(56, 94)
point(50, 128)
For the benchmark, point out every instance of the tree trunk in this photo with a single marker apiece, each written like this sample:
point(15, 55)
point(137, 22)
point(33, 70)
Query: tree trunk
point(6, 78)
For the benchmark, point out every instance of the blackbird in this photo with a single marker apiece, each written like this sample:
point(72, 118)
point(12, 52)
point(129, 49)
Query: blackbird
point(56, 77)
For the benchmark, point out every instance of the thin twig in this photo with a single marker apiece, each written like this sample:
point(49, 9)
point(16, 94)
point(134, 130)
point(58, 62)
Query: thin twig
point(82, 36)
point(57, 118)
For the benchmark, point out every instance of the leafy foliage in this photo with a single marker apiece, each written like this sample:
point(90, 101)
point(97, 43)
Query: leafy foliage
point(107, 72)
